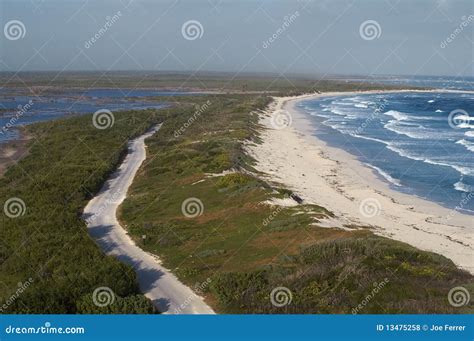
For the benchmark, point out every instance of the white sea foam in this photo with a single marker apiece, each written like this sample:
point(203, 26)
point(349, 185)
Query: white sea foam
point(469, 145)
point(368, 138)
point(462, 187)
point(397, 115)
point(414, 131)
point(431, 101)
point(469, 133)
point(439, 110)
point(464, 118)
point(465, 126)
point(385, 175)
point(461, 169)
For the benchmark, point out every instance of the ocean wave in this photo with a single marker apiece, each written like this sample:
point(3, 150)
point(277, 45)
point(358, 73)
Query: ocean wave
point(464, 118)
point(385, 175)
point(469, 145)
point(439, 110)
point(469, 133)
point(465, 126)
point(431, 101)
point(414, 131)
point(462, 187)
point(368, 138)
point(403, 153)
point(397, 115)
point(342, 103)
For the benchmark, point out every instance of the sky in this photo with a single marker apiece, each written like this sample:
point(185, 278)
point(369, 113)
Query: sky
point(311, 37)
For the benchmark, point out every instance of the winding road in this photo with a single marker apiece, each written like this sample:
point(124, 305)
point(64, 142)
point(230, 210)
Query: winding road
point(167, 293)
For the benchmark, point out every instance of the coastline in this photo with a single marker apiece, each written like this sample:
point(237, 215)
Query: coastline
point(333, 178)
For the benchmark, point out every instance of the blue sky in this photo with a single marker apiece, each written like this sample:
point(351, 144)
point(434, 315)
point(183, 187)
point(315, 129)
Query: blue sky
point(307, 36)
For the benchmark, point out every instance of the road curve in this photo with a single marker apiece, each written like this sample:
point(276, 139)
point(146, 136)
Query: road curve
point(167, 293)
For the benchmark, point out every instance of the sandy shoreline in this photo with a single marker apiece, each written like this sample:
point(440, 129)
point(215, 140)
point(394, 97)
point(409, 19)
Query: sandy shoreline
point(336, 180)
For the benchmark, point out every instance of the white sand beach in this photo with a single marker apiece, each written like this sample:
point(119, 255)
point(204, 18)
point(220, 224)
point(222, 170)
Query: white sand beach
point(336, 180)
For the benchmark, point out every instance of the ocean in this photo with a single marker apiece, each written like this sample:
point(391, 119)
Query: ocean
point(420, 143)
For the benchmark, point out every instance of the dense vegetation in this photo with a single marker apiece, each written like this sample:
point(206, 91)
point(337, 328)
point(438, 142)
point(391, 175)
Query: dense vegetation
point(68, 162)
point(215, 81)
point(247, 248)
